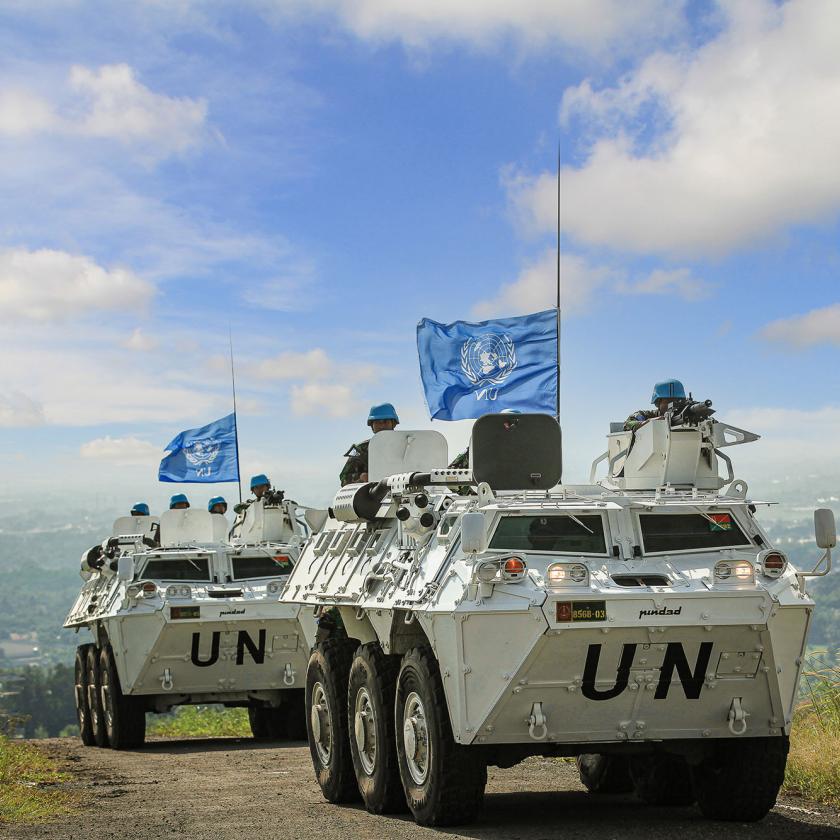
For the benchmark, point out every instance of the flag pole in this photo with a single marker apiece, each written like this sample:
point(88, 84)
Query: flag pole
point(558, 282)
point(235, 422)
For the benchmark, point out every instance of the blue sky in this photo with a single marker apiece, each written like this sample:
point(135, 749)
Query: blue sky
point(321, 175)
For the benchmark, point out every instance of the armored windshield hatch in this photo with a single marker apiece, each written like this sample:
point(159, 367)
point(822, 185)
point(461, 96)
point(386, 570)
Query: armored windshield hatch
point(517, 451)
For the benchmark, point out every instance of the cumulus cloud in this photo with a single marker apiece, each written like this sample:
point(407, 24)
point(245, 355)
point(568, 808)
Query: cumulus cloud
point(121, 450)
point(591, 25)
point(48, 285)
point(745, 132)
point(111, 103)
point(330, 399)
point(536, 287)
point(17, 409)
point(819, 326)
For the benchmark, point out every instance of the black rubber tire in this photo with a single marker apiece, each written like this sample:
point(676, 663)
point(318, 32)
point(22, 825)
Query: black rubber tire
point(293, 712)
point(80, 687)
point(452, 789)
point(740, 781)
point(662, 780)
point(125, 716)
point(94, 686)
point(329, 671)
point(263, 723)
point(604, 774)
point(375, 674)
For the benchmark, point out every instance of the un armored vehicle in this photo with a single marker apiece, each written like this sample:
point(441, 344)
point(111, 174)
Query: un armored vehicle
point(180, 611)
point(643, 623)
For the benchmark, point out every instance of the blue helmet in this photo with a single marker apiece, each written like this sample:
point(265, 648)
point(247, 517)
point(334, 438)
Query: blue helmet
point(141, 509)
point(216, 500)
point(177, 499)
point(668, 389)
point(256, 480)
point(383, 411)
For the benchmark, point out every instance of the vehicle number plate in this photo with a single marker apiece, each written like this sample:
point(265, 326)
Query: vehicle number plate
point(581, 611)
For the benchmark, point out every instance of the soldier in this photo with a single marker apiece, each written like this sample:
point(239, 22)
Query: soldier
point(381, 418)
point(217, 505)
point(140, 509)
point(179, 502)
point(260, 485)
point(664, 393)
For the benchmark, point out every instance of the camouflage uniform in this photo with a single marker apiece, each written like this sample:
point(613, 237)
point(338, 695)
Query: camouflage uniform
point(637, 418)
point(357, 463)
point(462, 462)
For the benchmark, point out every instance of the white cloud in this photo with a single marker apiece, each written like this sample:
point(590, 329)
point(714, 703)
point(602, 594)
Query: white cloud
point(677, 281)
point(745, 137)
point(108, 102)
point(121, 451)
point(332, 400)
point(819, 326)
point(140, 341)
point(312, 364)
point(592, 25)
point(121, 108)
point(536, 287)
point(51, 285)
point(17, 409)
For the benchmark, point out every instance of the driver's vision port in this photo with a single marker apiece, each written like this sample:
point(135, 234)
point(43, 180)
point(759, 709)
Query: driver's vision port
point(641, 580)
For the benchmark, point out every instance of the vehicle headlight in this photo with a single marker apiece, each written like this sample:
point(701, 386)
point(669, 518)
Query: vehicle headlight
point(177, 591)
point(509, 569)
point(567, 574)
point(149, 589)
point(734, 571)
point(274, 587)
point(773, 563)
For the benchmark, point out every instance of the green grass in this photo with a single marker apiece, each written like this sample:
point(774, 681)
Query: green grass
point(813, 769)
point(201, 722)
point(30, 785)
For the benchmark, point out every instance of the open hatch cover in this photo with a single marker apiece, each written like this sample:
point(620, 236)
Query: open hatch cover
point(517, 451)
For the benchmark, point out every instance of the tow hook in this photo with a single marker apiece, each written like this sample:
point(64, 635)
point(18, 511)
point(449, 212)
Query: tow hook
point(537, 723)
point(166, 680)
point(288, 674)
point(737, 717)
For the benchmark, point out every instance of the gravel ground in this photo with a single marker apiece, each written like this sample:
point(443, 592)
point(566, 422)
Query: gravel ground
point(229, 788)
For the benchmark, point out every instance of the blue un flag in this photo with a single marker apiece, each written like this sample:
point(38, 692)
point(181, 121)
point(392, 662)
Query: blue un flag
point(205, 455)
point(471, 369)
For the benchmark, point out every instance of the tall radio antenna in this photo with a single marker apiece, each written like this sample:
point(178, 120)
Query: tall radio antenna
point(558, 282)
point(235, 418)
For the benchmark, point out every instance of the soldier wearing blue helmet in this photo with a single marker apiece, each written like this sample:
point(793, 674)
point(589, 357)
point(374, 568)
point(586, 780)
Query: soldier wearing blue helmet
point(664, 394)
point(140, 509)
point(178, 502)
point(217, 505)
point(260, 487)
point(382, 417)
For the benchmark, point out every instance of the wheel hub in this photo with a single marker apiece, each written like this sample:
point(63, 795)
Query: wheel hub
point(364, 730)
point(416, 738)
point(319, 716)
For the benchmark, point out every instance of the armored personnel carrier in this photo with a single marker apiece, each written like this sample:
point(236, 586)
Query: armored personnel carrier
point(643, 623)
point(179, 611)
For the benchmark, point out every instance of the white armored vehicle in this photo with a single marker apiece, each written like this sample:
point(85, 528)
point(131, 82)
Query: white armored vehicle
point(644, 624)
point(179, 612)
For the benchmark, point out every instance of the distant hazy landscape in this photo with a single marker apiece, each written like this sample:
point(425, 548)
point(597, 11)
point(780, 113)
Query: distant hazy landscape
point(41, 541)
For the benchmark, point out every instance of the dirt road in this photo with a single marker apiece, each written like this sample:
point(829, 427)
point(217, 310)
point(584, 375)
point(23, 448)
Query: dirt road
point(228, 788)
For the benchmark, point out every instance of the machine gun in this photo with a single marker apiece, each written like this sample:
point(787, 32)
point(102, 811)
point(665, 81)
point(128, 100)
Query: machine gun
point(690, 412)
